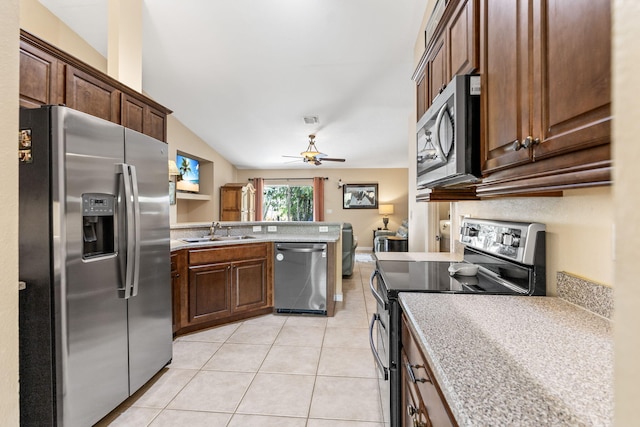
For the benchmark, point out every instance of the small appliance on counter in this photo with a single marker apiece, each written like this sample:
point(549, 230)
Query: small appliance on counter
point(500, 258)
point(95, 315)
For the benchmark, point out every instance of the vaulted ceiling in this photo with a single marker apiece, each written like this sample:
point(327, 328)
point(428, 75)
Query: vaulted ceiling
point(242, 74)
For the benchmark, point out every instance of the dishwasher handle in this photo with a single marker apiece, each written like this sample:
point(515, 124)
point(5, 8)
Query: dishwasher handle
point(300, 250)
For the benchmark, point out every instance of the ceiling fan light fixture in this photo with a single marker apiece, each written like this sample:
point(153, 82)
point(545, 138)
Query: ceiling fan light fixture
point(313, 156)
point(311, 152)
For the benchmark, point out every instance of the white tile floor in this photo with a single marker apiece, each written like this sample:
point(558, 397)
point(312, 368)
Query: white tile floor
point(273, 370)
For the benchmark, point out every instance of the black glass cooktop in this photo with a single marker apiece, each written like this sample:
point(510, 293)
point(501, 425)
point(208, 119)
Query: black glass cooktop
point(496, 277)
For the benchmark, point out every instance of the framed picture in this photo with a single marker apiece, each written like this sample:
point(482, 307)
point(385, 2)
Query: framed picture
point(360, 196)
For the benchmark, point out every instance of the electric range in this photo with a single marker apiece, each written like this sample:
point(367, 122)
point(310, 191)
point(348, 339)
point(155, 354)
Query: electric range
point(510, 257)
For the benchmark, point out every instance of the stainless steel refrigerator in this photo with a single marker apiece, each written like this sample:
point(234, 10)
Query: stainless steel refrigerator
point(95, 316)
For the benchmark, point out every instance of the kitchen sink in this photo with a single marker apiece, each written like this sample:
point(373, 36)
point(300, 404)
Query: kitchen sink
point(222, 238)
point(215, 238)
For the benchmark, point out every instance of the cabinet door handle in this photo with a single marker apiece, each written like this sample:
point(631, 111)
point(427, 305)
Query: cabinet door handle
point(517, 145)
point(530, 142)
point(412, 376)
point(411, 410)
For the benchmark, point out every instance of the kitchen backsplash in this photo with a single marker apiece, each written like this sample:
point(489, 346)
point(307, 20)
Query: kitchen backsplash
point(591, 296)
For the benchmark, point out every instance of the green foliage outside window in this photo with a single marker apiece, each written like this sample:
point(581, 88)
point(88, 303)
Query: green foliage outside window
point(287, 203)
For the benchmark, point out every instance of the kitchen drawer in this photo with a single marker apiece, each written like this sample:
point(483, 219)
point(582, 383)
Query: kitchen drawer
point(228, 253)
point(419, 373)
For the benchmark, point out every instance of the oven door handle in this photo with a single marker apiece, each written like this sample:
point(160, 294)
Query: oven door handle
point(375, 293)
point(383, 369)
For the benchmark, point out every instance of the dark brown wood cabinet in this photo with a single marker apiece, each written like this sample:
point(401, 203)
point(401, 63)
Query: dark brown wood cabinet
point(546, 92)
point(142, 117)
point(453, 50)
point(91, 95)
point(237, 202)
point(41, 77)
point(437, 73)
point(178, 276)
point(414, 412)
point(209, 292)
point(49, 76)
point(226, 283)
point(422, 401)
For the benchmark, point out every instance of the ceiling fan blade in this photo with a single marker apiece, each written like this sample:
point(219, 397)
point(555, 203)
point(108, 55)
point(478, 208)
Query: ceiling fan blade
point(331, 159)
point(294, 157)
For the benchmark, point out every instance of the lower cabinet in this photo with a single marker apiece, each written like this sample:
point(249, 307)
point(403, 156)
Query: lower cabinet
point(178, 264)
point(422, 402)
point(225, 283)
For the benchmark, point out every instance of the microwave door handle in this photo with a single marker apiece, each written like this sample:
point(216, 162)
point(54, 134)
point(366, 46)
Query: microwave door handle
point(437, 143)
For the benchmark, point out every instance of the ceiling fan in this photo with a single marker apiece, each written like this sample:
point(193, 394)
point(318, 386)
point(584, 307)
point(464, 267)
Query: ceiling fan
point(313, 156)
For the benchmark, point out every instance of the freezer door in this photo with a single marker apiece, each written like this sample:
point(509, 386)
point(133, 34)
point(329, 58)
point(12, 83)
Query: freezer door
point(150, 330)
point(91, 321)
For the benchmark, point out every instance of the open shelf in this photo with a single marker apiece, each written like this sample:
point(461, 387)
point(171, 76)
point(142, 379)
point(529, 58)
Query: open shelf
point(192, 196)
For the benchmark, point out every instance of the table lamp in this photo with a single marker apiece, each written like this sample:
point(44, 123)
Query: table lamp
point(385, 211)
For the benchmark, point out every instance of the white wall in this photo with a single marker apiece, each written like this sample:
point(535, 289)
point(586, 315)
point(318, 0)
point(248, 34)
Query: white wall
point(9, 409)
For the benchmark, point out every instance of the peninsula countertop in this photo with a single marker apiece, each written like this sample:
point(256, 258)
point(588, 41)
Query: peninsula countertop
point(255, 232)
point(511, 360)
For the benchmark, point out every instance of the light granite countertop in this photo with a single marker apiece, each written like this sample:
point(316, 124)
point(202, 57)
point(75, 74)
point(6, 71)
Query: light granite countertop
point(177, 244)
point(283, 231)
point(516, 361)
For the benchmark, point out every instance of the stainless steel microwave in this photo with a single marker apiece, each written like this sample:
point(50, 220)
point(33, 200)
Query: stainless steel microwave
point(448, 136)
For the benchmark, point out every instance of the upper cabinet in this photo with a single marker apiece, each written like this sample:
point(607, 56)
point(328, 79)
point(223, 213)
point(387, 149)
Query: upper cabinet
point(92, 95)
point(546, 95)
point(545, 68)
point(41, 77)
point(49, 76)
point(453, 50)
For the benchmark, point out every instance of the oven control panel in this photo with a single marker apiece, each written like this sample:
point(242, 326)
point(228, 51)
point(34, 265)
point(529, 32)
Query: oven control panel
point(512, 240)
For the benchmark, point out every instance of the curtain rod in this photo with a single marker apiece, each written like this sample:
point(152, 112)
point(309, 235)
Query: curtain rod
point(287, 179)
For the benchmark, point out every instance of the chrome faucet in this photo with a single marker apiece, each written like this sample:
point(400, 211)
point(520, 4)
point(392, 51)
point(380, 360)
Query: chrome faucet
point(214, 226)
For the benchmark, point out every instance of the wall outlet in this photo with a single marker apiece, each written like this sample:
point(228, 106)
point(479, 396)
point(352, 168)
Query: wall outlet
point(272, 228)
point(323, 229)
point(257, 228)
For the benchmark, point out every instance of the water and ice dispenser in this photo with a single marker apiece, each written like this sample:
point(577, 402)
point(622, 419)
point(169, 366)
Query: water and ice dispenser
point(98, 237)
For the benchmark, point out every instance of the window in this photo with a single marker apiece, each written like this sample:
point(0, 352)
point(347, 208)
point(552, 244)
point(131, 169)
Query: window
point(287, 202)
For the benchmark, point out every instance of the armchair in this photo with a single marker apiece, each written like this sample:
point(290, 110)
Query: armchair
point(349, 245)
point(379, 241)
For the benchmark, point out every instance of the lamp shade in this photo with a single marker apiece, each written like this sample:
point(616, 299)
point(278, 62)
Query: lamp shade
point(385, 209)
point(173, 168)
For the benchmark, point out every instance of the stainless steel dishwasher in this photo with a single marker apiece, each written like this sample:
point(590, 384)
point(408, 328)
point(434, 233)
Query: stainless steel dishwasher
point(301, 278)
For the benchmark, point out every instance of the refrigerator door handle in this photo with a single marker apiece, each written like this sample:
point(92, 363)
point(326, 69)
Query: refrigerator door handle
point(132, 208)
point(136, 231)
